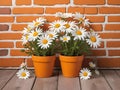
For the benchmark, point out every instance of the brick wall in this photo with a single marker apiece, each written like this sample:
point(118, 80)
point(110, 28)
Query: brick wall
point(16, 14)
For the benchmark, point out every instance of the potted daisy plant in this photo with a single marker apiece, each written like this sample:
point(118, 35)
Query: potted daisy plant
point(39, 42)
point(75, 41)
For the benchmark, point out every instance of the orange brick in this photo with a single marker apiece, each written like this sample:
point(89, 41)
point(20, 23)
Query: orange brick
point(113, 18)
point(27, 11)
point(10, 36)
point(5, 2)
point(104, 62)
point(25, 18)
point(18, 27)
point(114, 52)
point(76, 9)
point(31, 18)
point(6, 19)
point(51, 18)
point(99, 52)
point(4, 52)
point(6, 44)
point(30, 62)
point(89, 2)
point(17, 52)
point(110, 35)
point(109, 10)
point(112, 2)
point(96, 18)
point(97, 27)
point(51, 2)
point(4, 27)
point(54, 10)
point(5, 10)
point(108, 62)
point(101, 45)
point(91, 10)
point(23, 2)
point(112, 44)
point(112, 27)
point(19, 44)
point(10, 62)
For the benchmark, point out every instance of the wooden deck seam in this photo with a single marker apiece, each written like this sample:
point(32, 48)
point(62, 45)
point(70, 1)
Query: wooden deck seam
point(80, 83)
point(117, 73)
point(33, 83)
point(9, 80)
point(106, 80)
point(58, 78)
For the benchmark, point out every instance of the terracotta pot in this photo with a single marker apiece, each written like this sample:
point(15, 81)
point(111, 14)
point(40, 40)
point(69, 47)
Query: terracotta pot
point(43, 65)
point(71, 65)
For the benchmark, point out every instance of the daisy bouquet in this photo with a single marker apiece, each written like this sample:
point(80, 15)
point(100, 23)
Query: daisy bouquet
point(69, 33)
point(74, 38)
point(38, 40)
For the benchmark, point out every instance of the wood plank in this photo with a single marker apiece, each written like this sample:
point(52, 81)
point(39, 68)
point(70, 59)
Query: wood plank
point(118, 72)
point(46, 83)
point(65, 83)
point(95, 83)
point(5, 76)
point(112, 78)
point(19, 84)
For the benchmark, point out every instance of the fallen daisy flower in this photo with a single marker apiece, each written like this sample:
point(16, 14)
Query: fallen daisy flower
point(97, 72)
point(85, 74)
point(92, 65)
point(23, 74)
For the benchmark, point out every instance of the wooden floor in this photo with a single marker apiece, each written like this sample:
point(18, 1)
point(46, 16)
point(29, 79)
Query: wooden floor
point(108, 80)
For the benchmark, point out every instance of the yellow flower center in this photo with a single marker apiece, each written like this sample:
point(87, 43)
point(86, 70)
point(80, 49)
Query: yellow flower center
point(26, 37)
point(65, 39)
point(51, 35)
point(28, 29)
point(67, 25)
point(85, 73)
point(35, 33)
point(93, 38)
point(45, 41)
point(57, 25)
point(78, 32)
point(81, 19)
point(36, 24)
point(23, 74)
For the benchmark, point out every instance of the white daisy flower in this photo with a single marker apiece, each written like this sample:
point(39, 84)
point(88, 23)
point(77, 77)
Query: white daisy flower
point(25, 39)
point(85, 74)
point(79, 33)
point(58, 14)
point(86, 22)
point(66, 15)
point(57, 26)
point(63, 15)
point(92, 65)
point(39, 21)
point(26, 31)
point(93, 39)
point(97, 72)
point(65, 38)
point(52, 34)
point(23, 65)
point(23, 74)
point(35, 34)
point(44, 41)
point(79, 17)
point(70, 26)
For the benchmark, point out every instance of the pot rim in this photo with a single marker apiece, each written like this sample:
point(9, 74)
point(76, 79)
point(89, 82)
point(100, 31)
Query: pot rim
point(43, 58)
point(71, 58)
